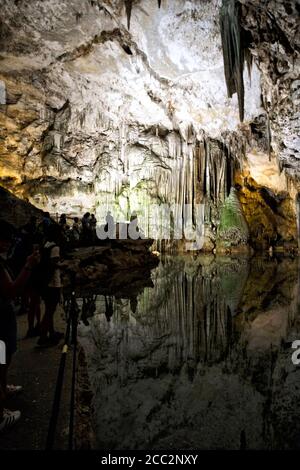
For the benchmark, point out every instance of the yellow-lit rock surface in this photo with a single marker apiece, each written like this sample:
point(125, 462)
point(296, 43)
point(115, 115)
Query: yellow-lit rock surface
point(268, 200)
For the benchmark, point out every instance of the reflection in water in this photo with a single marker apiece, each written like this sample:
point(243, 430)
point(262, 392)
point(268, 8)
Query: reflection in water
point(88, 308)
point(109, 308)
point(200, 360)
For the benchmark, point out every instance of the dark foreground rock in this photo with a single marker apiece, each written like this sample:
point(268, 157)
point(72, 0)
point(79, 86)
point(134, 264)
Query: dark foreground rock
point(16, 211)
point(110, 268)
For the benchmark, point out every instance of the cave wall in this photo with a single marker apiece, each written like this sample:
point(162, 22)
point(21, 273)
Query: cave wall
point(269, 186)
point(82, 116)
point(96, 116)
point(273, 26)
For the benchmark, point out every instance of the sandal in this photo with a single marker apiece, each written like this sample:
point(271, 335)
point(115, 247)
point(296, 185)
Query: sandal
point(10, 418)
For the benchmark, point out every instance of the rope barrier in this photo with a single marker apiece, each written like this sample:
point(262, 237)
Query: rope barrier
point(72, 319)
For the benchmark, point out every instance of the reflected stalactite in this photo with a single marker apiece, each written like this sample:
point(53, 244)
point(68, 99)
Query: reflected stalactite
point(189, 305)
point(88, 308)
point(109, 309)
point(200, 350)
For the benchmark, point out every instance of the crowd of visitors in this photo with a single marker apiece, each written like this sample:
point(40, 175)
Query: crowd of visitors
point(83, 231)
point(30, 260)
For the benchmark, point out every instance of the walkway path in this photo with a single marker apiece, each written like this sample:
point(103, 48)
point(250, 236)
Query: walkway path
point(36, 370)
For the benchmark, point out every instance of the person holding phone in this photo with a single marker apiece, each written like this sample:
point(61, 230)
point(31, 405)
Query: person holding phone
point(34, 304)
point(9, 289)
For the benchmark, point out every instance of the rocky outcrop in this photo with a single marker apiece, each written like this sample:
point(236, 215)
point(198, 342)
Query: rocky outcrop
point(16, 211)
point(268, 200)
point(114, 267)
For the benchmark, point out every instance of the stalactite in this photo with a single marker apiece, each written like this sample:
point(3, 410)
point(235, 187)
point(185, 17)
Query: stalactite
point(195, 170)
point(128, 7)
point(249, 61)
point(268, 135)
point(233, 51)
point(207, 171)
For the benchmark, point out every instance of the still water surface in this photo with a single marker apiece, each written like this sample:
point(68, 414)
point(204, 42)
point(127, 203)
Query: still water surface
point(201, 358)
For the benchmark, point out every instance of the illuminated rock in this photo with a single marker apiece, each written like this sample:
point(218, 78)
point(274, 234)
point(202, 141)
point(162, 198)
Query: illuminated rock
point(95, 116)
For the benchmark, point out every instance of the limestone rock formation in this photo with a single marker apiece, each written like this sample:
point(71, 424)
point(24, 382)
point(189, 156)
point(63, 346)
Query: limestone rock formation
point(268, 200)
point(93, 115)
point(233, 229)
point(273, 26)
point(114, 267)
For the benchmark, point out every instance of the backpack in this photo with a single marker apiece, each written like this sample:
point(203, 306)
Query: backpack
point(43, 273)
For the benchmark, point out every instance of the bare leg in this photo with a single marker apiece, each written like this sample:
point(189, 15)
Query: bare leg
point(34, 312)
point(51, 317)
point(31, 312)
point(24, 302)
point(2, 391)
point(36, 306)
point(3, 375)
point(47, 322)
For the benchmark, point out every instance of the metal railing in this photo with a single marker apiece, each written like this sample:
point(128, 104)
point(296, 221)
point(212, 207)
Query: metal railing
point(69, 339)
